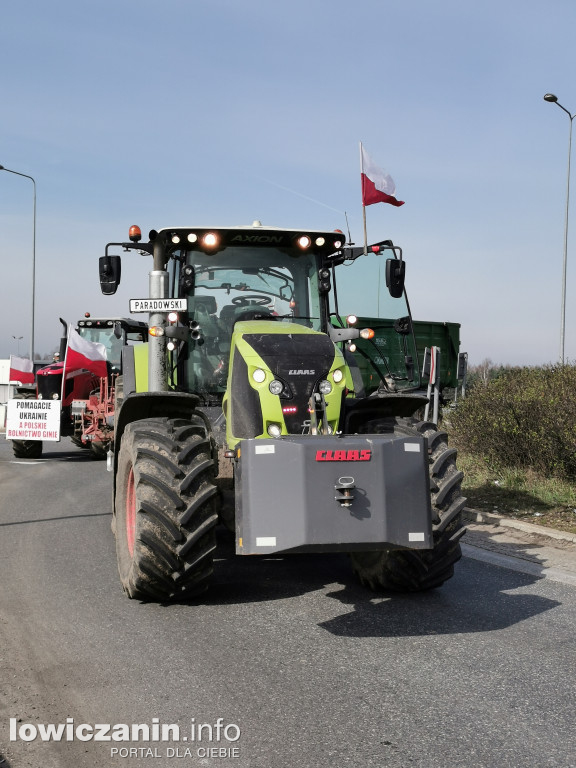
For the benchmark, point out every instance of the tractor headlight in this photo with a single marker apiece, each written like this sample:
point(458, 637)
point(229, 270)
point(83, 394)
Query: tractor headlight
point(276, 387)
point(337, 376)
point(210, 240)
point(55, 396)
point(274, 430)
point(259, 375)
point(325, 387)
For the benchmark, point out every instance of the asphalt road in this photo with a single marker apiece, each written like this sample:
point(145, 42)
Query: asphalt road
point(309, 667)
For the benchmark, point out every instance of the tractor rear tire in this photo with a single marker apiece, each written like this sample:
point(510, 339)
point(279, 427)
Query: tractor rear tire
point(166, 511)
point(27, 449)
point(405, 570)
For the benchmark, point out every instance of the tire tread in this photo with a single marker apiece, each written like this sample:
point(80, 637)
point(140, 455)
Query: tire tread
point(405, 570)
point(176, 513)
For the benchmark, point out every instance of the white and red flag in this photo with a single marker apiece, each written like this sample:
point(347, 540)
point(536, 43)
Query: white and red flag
point(377, 185)
point(81, 353)
point(21, 370)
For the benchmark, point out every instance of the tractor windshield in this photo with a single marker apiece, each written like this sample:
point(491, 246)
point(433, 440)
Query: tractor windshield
point(105, 335)
point(391, 356)
point(235, 284)
point(102, 332)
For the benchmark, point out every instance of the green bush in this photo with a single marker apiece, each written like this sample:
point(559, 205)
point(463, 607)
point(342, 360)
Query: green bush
point(524, 418)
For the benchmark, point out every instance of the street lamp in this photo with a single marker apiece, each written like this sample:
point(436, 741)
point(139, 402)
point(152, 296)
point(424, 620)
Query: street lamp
point(24, 175)
point(18, 339)
point(554, 100)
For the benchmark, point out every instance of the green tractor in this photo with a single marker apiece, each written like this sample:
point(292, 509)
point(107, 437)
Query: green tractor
point(258, 405)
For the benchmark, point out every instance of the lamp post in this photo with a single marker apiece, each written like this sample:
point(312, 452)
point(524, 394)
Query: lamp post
point(554, 100)
point(24, 175)
point(18, 339)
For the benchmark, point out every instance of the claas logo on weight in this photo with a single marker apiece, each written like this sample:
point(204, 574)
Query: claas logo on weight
point(350, 455)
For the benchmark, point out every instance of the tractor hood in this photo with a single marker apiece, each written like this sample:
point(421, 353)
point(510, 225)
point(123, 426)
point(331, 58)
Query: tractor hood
point(276, 367)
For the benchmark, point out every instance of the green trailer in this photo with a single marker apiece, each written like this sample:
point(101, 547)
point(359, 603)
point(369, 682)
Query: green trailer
point(390, 350)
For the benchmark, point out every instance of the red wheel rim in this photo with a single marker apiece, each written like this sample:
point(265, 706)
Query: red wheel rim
point(131, 513)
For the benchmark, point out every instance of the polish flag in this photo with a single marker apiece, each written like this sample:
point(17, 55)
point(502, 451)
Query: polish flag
point(21, 370)
point(81, 353)
point(377, 185)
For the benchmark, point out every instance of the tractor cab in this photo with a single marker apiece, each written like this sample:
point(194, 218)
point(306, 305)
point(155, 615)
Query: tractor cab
point(286, 277)
point(114, 333)
point(233, 276)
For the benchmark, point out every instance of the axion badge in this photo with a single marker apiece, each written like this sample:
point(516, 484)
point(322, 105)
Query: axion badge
point(350, 455)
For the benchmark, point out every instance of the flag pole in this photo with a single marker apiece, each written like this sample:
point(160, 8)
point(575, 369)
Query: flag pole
point(363, 206)
point(69, 326)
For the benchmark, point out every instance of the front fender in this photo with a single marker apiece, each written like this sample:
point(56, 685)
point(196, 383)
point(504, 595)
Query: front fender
point(146, 405)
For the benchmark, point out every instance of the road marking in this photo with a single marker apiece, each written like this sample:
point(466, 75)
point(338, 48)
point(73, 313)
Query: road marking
point(516, 564)
point(31, 462)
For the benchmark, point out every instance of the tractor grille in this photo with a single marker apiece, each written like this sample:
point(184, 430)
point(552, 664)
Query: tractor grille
point(300, 361)
point(49, 385)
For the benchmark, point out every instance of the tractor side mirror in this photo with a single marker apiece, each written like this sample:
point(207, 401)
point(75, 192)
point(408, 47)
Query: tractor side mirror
point(110, 269)
point(395, 274)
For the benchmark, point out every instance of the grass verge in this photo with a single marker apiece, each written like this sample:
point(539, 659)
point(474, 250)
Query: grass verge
point(519, 494)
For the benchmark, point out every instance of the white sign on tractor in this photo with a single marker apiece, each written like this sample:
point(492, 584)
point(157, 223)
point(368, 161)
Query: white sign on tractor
point(33, 420)
point(158, 305)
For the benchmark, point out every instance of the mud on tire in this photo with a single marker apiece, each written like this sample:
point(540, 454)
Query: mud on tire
point(166, 510)
point(404, 570)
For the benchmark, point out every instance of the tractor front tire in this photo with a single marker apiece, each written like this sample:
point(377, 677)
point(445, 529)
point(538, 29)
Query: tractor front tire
point(27, 449)
point(166, 511)
point(405, 570)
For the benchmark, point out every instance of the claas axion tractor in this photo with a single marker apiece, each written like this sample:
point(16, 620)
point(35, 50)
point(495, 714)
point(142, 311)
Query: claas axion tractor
point(253, 411)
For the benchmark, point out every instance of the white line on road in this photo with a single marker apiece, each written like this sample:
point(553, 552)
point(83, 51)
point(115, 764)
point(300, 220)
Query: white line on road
point(516, 564)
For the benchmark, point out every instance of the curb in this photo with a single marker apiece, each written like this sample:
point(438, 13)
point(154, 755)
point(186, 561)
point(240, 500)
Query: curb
point(489, 518)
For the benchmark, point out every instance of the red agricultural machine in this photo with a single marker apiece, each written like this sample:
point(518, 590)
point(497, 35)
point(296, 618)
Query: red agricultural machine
point(87, 398)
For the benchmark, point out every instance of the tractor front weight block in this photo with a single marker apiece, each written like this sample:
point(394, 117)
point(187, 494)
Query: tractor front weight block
point(329, 494)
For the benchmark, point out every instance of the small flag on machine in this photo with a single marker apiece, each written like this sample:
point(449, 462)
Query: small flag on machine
point(21, 370)
point(81, 353)
point(377, 185)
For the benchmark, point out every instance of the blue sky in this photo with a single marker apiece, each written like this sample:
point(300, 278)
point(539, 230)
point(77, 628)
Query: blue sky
point(220, 112)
